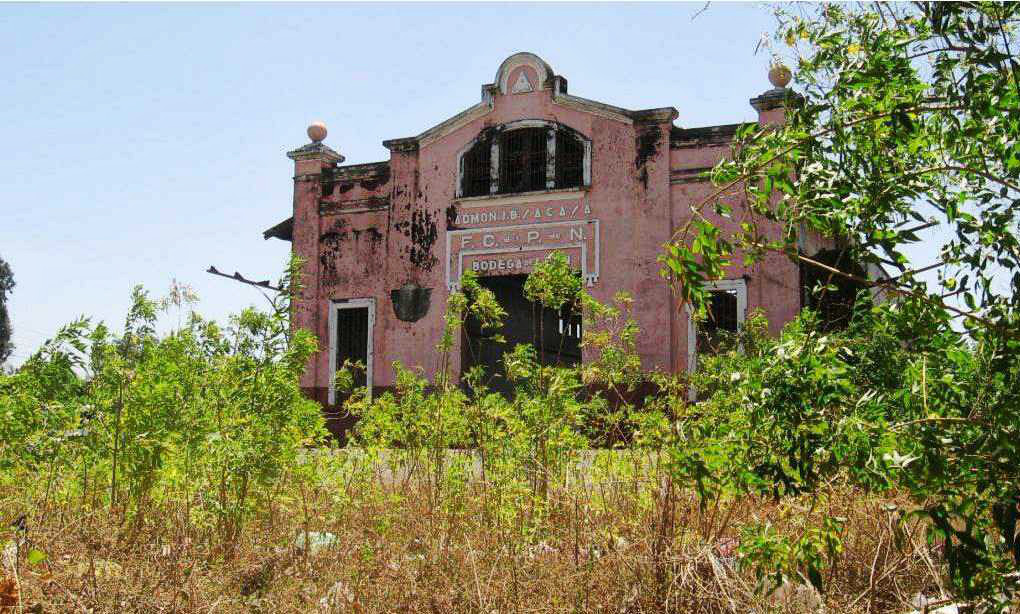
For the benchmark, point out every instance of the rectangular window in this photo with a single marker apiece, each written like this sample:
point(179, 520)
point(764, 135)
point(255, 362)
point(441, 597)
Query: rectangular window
point(722, 319)
point(350, 332)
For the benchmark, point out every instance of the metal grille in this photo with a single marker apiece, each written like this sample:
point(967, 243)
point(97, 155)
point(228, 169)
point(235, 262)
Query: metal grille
point(722, 318)
point(352, 340)
point(477, 169)
point(522, 159)
point(569, 160)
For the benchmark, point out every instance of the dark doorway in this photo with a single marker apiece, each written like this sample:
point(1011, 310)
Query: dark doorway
point(350, 328)
point(556, 335)
point(352, 340)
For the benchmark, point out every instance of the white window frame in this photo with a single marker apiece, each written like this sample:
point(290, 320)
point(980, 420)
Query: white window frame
point(737, 285)
point(334, 307)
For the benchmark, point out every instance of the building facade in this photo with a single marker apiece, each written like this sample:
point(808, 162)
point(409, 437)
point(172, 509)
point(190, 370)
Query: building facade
point(529, 169)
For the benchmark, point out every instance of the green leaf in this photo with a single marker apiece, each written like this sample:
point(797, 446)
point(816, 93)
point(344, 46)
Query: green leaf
point(36, 556)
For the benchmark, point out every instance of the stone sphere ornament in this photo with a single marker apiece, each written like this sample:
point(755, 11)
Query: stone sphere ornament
point(317, 131)
point(779, 76)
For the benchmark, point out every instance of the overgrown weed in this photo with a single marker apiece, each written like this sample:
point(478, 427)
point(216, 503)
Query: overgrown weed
point(186, 473)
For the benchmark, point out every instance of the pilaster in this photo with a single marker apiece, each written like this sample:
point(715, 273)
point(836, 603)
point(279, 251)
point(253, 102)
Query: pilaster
point(310, 161)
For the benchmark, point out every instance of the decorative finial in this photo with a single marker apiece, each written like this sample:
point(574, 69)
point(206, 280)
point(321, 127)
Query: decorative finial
point(317, 131)
point(779, 75)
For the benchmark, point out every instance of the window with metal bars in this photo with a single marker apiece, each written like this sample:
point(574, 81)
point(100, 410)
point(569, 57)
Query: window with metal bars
point(569, 160)
point(477, 169)
point(570, 324)
point(352, 340)
point(522, 160)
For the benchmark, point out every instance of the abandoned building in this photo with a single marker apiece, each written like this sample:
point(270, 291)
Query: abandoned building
point(528, 170)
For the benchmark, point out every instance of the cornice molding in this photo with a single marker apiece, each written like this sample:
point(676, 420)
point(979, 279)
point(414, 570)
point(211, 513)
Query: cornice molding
point(315, 151)
point(775, 98)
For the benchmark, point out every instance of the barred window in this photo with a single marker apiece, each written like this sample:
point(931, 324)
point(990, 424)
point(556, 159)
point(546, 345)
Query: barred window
point(569, 160)
point(569, 323)
point(477, 169)
point(522, 160)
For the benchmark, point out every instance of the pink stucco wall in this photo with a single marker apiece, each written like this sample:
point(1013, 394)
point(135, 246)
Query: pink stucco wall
point(370, 229)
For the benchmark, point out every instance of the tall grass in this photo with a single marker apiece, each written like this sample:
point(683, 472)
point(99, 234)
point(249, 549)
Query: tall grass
point(593, 545)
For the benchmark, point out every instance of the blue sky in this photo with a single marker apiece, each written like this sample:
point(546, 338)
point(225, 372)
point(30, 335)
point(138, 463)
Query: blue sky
point(142, 143)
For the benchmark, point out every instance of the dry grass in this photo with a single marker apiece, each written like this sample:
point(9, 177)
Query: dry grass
point(610, 544)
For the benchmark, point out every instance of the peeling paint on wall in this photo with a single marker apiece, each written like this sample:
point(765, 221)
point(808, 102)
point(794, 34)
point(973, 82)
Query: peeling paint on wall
point(381, 179)
point(374, 236)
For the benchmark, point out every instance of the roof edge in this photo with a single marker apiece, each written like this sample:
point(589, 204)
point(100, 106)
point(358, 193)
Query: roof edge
point(704, 135)
point(358, 171)
point(283, 230)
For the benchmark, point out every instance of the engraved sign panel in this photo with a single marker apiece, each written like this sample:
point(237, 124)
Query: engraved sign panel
point(507, 239)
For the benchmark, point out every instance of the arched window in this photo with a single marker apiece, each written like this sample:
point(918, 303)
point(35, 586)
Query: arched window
point(535, 156)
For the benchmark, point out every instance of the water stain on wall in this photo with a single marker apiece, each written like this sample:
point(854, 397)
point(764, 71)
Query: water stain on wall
point(647, 145)
point(330, 246)
point(422, 231)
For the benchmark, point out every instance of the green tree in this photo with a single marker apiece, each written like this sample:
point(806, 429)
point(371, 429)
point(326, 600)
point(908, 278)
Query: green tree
point(137, 417)
point(905, 131)
point(6, 332)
